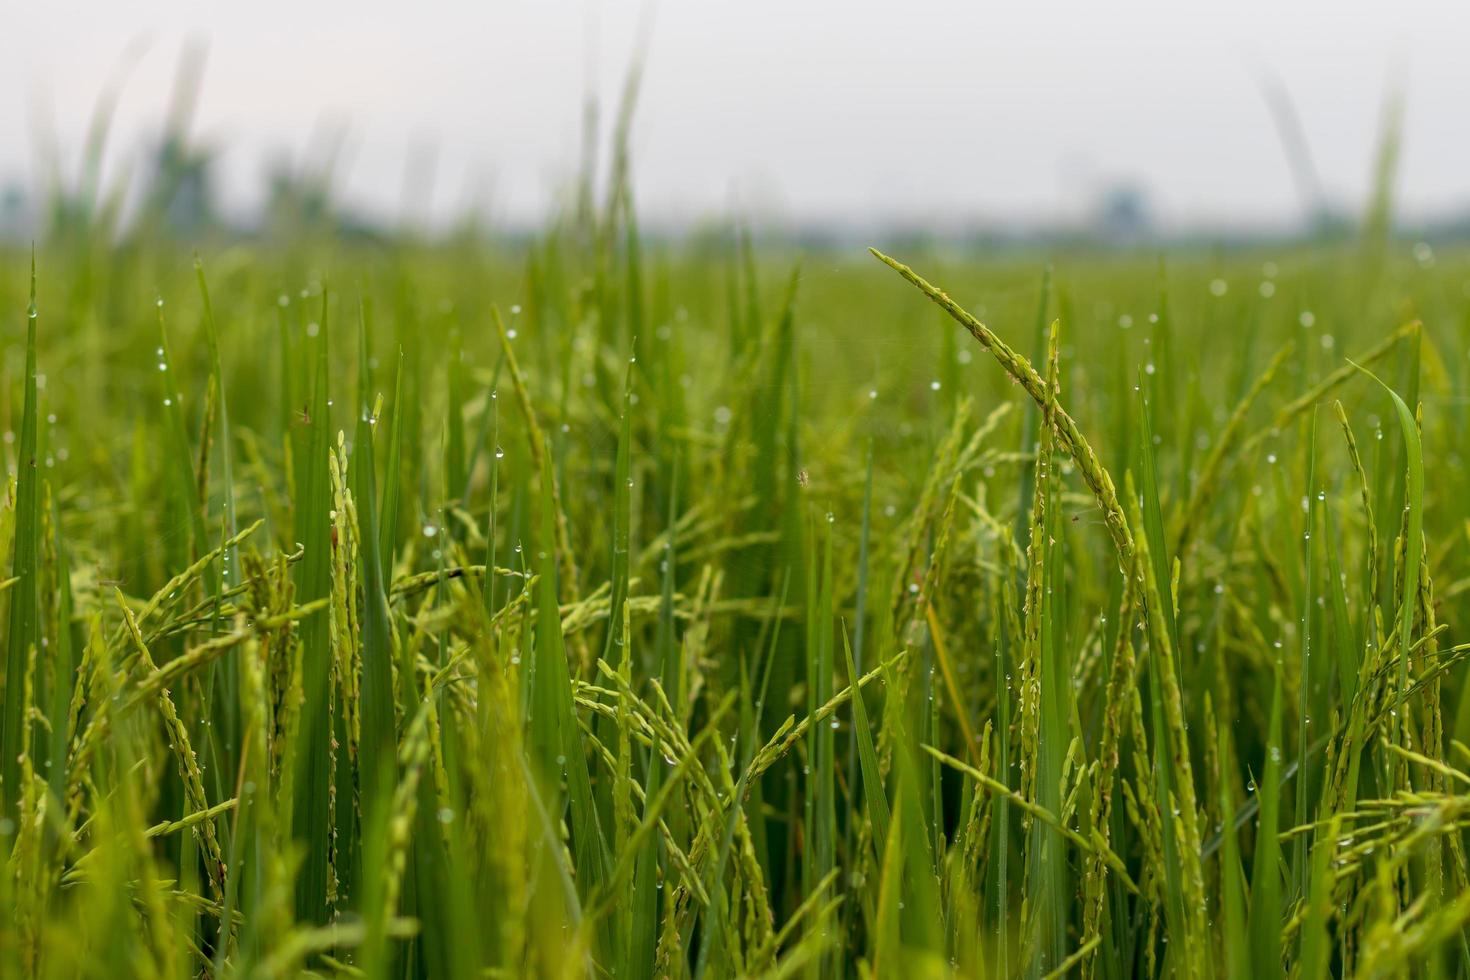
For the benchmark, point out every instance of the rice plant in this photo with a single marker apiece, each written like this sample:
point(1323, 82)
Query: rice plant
point(597, 606)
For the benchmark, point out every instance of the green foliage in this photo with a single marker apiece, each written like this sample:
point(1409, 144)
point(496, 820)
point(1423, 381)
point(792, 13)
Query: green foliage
point(754, 637)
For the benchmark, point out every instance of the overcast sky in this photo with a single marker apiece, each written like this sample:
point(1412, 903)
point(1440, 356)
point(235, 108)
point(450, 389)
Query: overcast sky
point(814, 109)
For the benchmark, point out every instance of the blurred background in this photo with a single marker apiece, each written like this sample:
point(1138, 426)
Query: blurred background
point(1126, 122)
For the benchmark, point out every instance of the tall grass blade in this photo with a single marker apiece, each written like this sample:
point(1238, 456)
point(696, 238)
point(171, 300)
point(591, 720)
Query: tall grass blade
point(23, 639)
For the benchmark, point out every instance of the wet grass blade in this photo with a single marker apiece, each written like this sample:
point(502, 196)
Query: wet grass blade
point(1344, 636)
point(875, 798)
point(378, 742)
point(392, 474)
point(622, 519)
point(556, 746)
point(1315, 954)
point(1309, 679)
point(821, 789)
point(229, 561)
point(312, 811)
point(1236, 944)
point(65, 662)
point(24, 636)
point(456, 476)
point(1265, 907)
point(1414, 541)
point(180, 477)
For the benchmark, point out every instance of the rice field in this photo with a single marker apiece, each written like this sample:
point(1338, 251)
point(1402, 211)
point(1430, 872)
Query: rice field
point(599, 605)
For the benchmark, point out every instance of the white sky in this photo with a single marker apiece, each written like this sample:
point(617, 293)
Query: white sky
point(843, 110)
